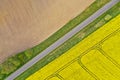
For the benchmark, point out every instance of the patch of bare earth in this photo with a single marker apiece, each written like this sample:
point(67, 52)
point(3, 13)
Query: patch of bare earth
point(25, 23)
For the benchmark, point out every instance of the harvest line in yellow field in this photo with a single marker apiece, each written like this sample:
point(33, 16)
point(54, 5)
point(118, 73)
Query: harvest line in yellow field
point(78, 58)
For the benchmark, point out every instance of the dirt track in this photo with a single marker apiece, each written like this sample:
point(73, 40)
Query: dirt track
point(25, 23)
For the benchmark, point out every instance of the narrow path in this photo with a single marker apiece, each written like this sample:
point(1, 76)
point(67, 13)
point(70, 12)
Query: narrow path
point(62, 40)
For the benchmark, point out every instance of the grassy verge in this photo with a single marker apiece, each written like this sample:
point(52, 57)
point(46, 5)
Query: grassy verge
point(16, 61)
point(103, 19)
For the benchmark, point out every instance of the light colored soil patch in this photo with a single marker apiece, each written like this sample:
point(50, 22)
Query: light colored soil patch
point(25, 23)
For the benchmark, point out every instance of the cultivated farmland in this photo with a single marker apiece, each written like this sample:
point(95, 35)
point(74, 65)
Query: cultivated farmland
point(15, 62)
point(26, 23)
point(95, 56)
point(100, 21)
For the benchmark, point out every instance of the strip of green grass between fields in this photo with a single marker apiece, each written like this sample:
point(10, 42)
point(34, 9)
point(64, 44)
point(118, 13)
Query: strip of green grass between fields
point(16, 61)
point(106, 17)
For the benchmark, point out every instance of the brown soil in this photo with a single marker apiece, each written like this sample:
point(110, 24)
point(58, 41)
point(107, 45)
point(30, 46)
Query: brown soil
point(25, 23)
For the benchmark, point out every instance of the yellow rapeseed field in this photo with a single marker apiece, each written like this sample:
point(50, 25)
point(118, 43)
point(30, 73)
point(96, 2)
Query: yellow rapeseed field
point(97, 57)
